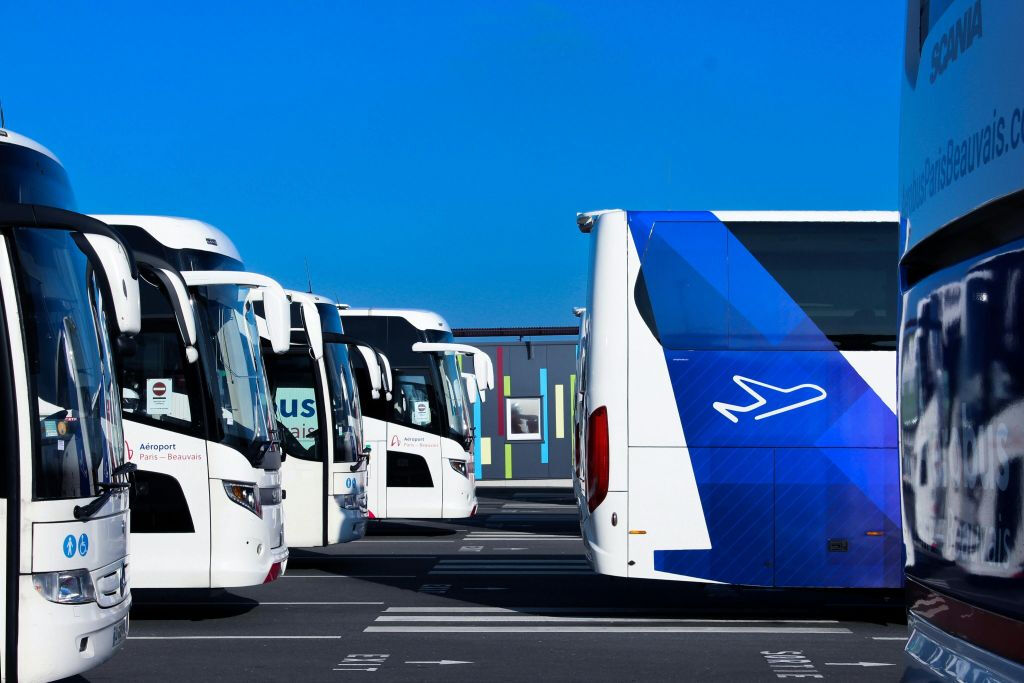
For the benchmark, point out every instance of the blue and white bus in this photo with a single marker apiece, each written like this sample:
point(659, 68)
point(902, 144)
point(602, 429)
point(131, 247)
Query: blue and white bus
point(738, 398)
point(962, 338)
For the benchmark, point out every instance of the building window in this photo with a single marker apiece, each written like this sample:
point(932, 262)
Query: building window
point(523, 419)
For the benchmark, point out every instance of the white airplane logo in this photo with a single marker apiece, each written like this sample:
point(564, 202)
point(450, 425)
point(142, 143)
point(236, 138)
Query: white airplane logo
point(759, 400)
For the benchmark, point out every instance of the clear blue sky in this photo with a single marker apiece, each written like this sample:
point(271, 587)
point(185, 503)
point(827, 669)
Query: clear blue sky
point(433, 154)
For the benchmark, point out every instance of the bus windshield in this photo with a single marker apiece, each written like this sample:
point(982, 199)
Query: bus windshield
point(71, 366)
point(454, 396)
point(348, 434)
point(235, 366)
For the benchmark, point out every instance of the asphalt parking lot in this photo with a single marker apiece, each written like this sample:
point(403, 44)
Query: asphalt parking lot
point(504, 596)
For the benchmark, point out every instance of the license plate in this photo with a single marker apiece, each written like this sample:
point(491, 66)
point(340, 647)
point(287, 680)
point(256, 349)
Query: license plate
point(120, 631)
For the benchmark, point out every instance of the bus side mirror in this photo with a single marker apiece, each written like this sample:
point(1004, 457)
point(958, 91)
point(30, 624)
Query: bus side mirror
point(183, 311)
point(372, 368)
point(484, 370)
point(385, 374)
point(123, 287)
point(472, 390)
point(314, 334)
point(278, 313)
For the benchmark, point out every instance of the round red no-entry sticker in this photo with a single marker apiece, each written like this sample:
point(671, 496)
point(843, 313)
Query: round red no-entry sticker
point(159, 389)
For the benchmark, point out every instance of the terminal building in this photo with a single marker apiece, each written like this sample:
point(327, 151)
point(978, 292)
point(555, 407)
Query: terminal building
point(525, 432)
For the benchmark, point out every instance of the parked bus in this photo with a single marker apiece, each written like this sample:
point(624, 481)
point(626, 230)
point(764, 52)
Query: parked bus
point(198, 421)
point(68, 291)
point(317, 406)
point(962, 339)
point(421, 440)
point(738, 398)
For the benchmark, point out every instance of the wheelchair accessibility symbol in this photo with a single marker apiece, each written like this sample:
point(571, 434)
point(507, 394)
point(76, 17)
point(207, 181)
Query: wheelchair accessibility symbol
point(83, 545)
point(69, 546)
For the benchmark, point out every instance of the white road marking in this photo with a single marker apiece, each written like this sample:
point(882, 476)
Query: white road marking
point(585, 610)
point(233, 603)
point(234, 637)
point(349, 575)
point(513, 572)
point(374, 540)
point(604, 620)
point(565, 506)
point(610, 629)
point(471, 548)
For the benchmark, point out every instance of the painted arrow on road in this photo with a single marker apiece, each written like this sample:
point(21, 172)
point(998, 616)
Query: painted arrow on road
point(442, 662)
point(857, 664)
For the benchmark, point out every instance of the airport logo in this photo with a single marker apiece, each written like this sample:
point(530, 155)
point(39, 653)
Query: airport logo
point(775, 398)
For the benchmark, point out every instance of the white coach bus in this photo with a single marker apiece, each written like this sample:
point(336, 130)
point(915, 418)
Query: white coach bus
point(67, 286)
point(317, 406)
point(198, 421)
point(421, 439)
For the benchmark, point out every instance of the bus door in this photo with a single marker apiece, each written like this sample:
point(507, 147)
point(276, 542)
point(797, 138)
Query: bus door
point(303, 430)
point(164, 430)
point(412, 464)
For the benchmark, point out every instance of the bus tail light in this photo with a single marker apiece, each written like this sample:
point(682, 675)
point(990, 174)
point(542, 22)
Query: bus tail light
point(597, 457)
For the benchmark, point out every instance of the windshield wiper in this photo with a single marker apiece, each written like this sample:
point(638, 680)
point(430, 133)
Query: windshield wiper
point(107, 490)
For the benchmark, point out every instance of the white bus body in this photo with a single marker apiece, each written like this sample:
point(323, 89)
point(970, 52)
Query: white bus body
point(66, 287)
point(421, 441)
point(317, 408)
point(207, 511)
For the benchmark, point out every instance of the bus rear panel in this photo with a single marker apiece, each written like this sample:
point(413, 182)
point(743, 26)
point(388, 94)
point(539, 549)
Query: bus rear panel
point(740, 368)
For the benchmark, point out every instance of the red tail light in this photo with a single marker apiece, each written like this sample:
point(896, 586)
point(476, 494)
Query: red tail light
point(274, 573)
point(597, 457)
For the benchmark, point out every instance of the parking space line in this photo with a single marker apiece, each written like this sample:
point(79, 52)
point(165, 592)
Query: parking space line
point(738, 630)
point(604, 620)
point(235, 603)
point(234, 637)
point(349, 576)
point(590, 610)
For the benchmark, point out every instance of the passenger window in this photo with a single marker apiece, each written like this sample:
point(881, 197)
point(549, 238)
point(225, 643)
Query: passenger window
point(157, 382)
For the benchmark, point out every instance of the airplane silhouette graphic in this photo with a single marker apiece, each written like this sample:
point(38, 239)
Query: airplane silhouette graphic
point(727, 409)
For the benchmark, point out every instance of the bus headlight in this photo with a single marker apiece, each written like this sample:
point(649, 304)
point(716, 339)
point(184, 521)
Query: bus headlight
point(70, 587)
point(459, 466)
point(246, 495)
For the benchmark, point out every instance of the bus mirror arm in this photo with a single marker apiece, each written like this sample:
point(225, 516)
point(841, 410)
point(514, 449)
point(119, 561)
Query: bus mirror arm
point(107, 489)
point(364, 456)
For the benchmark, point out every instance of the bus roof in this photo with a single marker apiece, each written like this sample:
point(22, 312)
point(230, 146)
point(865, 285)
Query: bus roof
point(418, 318)
point(12, 138)
point(780, 216)
point(296, 295)
point(179, 233)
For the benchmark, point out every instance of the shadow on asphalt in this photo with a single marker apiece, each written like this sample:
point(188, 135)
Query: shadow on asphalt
point(188, 604)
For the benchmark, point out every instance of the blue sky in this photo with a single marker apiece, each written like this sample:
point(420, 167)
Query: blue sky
point(433, 154)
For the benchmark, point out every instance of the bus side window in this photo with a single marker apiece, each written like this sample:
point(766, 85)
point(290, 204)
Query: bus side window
point(157, 382)
point(414, 402)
